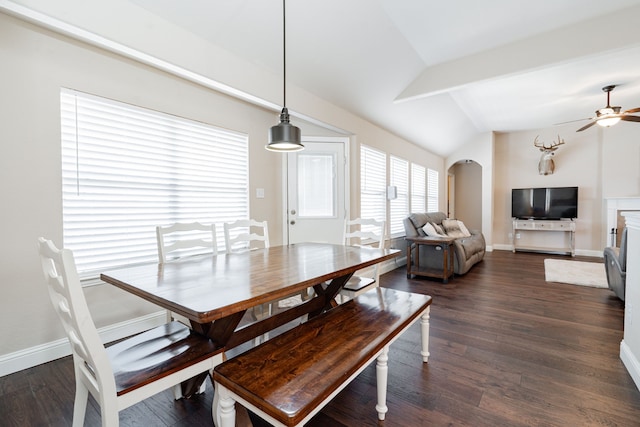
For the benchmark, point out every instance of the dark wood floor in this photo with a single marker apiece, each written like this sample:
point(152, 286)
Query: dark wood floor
point(507, 349)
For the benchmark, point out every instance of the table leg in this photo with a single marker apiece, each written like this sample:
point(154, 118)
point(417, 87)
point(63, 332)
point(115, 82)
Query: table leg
point(445, 263)
point(413, 259)
point(408, 261)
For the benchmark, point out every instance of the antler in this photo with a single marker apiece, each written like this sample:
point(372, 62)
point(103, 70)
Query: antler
point(553, 147)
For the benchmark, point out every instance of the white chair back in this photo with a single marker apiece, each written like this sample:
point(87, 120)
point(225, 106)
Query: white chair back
point(181, 237)
point(90, 358)
point(367, 231)
point(241, 235)
point(363, 232)
point(132, 369)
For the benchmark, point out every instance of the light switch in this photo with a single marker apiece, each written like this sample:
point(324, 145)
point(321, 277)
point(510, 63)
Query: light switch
point(260, 193)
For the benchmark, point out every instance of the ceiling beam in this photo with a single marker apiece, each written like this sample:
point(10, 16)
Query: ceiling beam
point(615, 31)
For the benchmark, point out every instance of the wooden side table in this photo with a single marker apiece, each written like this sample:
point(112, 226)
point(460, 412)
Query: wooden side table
point(413, 257)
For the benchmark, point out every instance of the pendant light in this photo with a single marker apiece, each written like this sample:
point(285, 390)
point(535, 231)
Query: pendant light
point(284, 136)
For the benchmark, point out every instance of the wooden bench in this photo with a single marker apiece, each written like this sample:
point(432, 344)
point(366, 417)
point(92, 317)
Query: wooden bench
point(291, 377)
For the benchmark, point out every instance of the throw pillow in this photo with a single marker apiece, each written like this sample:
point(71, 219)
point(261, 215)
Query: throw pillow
point(464, 229)
point(439, 229)
point(452, 228)
point(430, 230)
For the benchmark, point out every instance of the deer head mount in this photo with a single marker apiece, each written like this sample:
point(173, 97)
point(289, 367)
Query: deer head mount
point(546, 165)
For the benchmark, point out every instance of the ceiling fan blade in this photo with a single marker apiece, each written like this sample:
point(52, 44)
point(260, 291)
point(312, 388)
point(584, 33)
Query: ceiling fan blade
point(631, 118)
point(572, 121)
point(586, 126)
point(633, 110)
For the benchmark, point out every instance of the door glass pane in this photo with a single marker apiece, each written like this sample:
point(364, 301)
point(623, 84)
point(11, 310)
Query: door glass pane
point(316, 185)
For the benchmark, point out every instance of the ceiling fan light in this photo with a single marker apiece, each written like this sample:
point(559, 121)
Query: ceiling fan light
point(608, 121)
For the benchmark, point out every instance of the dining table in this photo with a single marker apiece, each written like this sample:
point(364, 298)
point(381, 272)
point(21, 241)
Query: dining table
point(215, 291)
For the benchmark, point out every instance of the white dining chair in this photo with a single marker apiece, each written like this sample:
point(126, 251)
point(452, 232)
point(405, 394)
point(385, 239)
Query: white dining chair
point(186, 238)
point(182, 239)
point(247, 234)
point(131, 370)
point(242, 235)
point(363, 232)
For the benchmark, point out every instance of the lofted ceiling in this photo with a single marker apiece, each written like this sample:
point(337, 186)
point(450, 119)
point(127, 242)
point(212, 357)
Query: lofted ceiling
point(436, 73)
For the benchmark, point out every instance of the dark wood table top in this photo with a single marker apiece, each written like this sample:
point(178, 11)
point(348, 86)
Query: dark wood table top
point(206, 288)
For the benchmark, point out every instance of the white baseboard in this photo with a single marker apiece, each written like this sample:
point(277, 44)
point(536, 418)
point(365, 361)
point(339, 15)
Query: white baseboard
point(37, 355)
point(500, 247)
point(581, 252)
point(630, 362)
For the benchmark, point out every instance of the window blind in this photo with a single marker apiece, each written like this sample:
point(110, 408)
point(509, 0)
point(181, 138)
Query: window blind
point(418, 188)
point(399, 207)
point(373, 178)
point(432, 190)
point(126, 169)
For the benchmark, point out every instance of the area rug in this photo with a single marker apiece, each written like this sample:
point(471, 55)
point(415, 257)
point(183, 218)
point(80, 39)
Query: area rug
point(575, 272)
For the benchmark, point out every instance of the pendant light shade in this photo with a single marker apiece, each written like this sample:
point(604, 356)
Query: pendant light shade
point(284, 136)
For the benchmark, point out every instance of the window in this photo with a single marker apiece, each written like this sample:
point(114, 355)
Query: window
point(316, 185)
point(399, 207)
point(373, 178)
point(432, 191)
point(126, 169)
point(418, 188)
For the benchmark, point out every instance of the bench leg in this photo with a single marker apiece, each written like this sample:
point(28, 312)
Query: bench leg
point(382, 372)
point(226, 408)
point(424, 326)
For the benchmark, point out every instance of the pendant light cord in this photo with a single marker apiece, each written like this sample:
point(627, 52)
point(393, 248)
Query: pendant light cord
point(284, 54)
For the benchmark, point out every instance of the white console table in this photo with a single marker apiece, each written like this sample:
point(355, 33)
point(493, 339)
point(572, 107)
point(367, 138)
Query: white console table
point(565, 226)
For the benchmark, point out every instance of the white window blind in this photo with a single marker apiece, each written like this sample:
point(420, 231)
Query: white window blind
point(432, 190)
point(399, 207)
point(418, 188)
point(126, 169)
point(373, 178)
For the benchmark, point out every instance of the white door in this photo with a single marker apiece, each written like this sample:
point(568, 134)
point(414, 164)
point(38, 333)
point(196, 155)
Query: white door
point(316, 196)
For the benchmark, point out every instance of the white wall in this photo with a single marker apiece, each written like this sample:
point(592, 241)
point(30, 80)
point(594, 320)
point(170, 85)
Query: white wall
point(36, 63)
point(630, 345)
point(468, 194)
point(601, 162)
point(481, 151)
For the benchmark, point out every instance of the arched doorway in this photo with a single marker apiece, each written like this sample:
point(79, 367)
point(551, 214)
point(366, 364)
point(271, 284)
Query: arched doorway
point(464, 193)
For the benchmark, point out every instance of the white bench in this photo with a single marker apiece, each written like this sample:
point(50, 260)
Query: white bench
point(291, 377)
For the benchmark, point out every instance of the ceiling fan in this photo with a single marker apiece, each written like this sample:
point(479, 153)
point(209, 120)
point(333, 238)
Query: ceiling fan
point(609, 116)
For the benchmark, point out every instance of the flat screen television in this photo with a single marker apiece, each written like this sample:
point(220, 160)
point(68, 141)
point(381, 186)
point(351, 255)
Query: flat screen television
point(544, 203)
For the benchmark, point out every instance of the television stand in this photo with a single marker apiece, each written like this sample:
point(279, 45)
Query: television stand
point(533, 225)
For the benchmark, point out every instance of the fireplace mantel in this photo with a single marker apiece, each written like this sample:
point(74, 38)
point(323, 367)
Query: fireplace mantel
point(615, 206)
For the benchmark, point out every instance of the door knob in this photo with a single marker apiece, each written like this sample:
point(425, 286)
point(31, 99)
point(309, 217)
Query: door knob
point(293, 211)
point(292, 222)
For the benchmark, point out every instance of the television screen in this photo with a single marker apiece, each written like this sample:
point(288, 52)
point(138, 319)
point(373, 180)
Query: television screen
point(544, 203)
